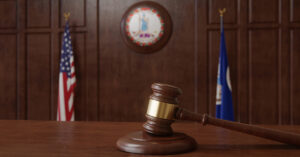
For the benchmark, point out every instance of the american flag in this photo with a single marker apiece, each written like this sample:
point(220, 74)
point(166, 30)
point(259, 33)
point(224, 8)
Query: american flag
point(67, 80)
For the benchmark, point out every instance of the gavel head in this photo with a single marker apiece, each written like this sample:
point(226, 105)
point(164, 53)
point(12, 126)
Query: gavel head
point(162, 108)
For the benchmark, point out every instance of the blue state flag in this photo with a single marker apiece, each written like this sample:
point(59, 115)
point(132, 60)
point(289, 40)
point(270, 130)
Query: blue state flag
point(224, 106)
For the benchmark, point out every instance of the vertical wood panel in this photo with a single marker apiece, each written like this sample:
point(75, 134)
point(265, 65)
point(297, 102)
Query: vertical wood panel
point(38, 76)
point(294, 11)
point(295, 77)
point(8, 77)
point(263, 49)
point(92, 59)
point(8, 14)
point(259, 14)
point(285, 65)
point(78, 43)
point(56, 38)
point(21, 61)
point(38, 13)
point(243, 63)
point(202, 71)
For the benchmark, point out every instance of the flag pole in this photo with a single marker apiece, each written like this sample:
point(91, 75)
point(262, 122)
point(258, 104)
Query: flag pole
point(67, 78)
point(222, 12)
point(224, 106)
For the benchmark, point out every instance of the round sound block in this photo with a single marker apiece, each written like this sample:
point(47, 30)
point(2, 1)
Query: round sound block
point(144, 143)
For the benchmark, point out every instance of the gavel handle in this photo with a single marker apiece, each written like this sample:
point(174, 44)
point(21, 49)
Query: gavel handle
point(280, 136)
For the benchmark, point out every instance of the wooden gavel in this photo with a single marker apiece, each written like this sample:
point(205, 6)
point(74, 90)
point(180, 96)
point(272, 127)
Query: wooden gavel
point(163, 110)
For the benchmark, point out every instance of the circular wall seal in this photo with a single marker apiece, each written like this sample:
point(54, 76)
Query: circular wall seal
point(146, 27)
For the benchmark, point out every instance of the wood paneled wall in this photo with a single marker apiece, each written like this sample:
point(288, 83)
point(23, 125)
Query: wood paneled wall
point(113, 82)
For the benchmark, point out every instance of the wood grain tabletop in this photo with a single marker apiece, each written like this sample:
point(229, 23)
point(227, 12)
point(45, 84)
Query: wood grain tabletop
point(51, 138)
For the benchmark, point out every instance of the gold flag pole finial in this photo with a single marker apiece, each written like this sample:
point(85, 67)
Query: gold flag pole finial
point(222, 11)
point(67, 15)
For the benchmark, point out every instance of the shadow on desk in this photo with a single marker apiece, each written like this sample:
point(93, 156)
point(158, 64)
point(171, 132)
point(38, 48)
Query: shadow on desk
point(246, 147)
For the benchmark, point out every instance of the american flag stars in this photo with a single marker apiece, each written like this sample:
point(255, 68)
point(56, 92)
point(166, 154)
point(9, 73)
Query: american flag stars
point(66, 54)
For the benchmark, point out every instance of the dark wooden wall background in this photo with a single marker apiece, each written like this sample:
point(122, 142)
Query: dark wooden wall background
point(263, 43)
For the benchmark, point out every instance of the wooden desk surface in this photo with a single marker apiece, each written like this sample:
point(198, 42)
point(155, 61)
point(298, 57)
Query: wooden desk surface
point(50, 138)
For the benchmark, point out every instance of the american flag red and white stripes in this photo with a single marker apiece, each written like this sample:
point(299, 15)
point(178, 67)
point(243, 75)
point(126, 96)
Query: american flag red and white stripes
point(67, 80)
